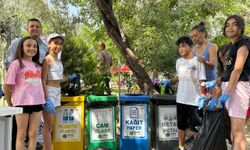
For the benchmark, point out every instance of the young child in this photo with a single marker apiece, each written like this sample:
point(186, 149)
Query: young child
point(52, 76)
point(189, 74)
point(23, 88)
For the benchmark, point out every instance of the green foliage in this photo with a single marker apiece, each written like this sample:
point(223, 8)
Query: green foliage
point(152, 27)
point(78, 57)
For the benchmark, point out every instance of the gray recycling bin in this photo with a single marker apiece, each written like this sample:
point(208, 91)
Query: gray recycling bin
point(164, 124)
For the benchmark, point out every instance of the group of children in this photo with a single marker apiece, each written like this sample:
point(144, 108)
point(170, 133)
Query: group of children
point(35, 87)
point(234, 71)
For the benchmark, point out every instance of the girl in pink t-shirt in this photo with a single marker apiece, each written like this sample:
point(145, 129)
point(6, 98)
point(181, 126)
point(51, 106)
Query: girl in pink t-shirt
point(23, 88)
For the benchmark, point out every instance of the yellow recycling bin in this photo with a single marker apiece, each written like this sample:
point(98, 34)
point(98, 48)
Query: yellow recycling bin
point(69, 124)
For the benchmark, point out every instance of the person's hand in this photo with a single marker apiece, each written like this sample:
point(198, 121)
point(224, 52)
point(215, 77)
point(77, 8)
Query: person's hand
point(202, 59)
point(165, 82)
point(210, 84)
point(201, 102)
point(213, 104)
point(49, 106)
point(72, 77)
point(223, 98)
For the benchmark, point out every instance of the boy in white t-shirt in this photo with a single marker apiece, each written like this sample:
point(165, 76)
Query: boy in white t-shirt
point(190, 73)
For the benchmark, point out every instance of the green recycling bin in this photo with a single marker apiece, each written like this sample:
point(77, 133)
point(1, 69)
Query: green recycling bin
point(101, 122)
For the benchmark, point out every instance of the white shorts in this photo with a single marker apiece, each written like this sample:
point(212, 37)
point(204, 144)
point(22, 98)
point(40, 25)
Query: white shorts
point(238, 104)
point(54, 94)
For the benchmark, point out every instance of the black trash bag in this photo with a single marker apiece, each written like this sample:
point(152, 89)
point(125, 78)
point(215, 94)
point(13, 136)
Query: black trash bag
point(214, 131)
point(72, 88)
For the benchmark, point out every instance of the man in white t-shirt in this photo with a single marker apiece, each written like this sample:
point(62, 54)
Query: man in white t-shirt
point(190, 73)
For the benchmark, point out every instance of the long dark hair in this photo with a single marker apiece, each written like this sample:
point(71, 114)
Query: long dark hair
point(201, 28)
point(20, 52)
point(240, 23)
point(220, 56)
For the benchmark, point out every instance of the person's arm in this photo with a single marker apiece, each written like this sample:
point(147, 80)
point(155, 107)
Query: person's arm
point(65, 79)
point(101, 58)
point(241, 58)
point(45, 68)
point(174, 79)
point(212, 52)
point(7, 92)
point(10, 56)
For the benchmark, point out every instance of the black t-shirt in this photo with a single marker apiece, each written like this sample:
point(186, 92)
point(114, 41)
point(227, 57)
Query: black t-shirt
point(230, 58)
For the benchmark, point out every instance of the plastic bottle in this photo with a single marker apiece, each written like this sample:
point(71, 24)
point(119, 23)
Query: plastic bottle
point(162, 89)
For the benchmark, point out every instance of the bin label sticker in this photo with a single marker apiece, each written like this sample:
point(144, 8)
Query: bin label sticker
point(134, 121)
point(102, 124)
point(68, 124)
point(167, 122)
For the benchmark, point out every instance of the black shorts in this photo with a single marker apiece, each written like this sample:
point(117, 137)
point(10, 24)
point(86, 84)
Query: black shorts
point(187, 113)
point(31, 108)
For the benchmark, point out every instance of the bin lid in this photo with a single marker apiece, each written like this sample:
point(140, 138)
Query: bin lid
point(72, 98)
point(101, 98)
point(134, 98)
point(163, 99)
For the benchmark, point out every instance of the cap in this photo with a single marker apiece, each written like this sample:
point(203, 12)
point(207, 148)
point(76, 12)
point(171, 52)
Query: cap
point(54, 35)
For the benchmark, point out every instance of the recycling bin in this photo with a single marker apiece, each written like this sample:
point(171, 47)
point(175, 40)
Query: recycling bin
point(134, 124)
point(69, 124)
point(102, 122)
point(165, 134)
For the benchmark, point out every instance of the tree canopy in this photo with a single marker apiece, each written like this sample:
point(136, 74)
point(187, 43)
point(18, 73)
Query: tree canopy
point(152, 27)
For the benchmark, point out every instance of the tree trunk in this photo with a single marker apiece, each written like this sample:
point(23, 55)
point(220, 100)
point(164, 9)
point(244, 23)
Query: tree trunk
point(119, 38)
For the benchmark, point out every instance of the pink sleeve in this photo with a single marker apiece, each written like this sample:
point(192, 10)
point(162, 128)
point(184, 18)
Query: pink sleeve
point(12, 73)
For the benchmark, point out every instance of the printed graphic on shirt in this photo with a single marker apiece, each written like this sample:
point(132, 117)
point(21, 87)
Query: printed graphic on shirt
point(188, 73)
point(228, 60)
point(33, 77)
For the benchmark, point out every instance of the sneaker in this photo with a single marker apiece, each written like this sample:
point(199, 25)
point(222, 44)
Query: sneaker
point(39, 146)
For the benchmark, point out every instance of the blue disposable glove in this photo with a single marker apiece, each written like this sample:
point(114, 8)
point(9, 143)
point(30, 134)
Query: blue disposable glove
point(210, 84)
point(72, 77)
point(49, 106)
point(223, 98)
point(201, 102)
point(213, 104)
point(165, 82)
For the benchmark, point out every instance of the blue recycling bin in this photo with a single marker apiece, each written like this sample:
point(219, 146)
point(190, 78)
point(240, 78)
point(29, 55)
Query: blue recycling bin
point(134, 122)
